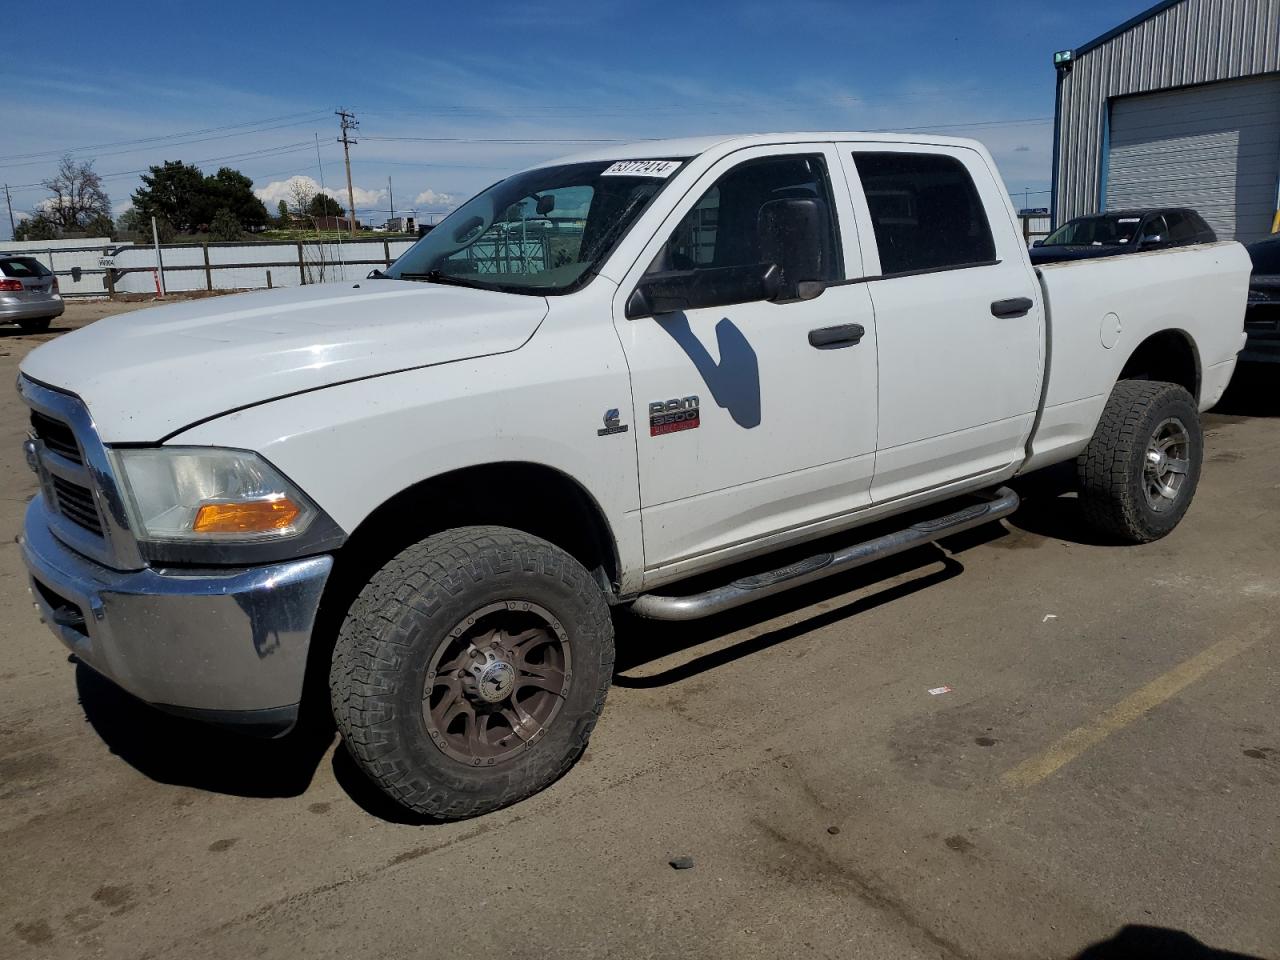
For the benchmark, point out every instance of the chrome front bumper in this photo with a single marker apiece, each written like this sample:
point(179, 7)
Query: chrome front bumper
point(227, 646)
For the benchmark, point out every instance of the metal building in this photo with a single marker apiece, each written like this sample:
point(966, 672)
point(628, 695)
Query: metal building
point(1179, 106)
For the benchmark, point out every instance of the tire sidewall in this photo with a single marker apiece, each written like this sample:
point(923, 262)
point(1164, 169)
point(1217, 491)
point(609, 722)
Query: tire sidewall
point(429, 772)
point(1174, 403)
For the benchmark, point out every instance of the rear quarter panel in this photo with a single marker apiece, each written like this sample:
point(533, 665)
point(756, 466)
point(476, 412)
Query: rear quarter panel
point(1100, 311)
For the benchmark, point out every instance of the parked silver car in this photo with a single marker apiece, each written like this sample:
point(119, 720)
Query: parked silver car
point(29, 293)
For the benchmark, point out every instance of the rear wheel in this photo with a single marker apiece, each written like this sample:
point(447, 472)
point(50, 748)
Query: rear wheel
point(39, 325)
point(1140, 470)
point(471, 670)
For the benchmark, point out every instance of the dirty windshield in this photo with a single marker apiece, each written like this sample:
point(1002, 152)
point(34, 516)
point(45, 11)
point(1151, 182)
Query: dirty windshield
point(543, 231)
point(1095, 232)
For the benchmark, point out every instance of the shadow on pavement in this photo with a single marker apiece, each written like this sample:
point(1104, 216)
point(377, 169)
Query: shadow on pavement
point(191, 754)
point(641, 641)
point(1051, 508)
point(1156, 943)
point(362, 792)
point(1254, 391)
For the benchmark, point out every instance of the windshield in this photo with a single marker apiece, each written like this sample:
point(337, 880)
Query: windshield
point(1095, 232)
point(540, 232)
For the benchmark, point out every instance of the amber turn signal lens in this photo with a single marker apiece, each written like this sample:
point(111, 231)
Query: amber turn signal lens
point(256, 516)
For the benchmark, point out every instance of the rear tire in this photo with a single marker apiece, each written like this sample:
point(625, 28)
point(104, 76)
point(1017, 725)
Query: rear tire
point(471, 669)
point(1140, 471)
point(40, 325)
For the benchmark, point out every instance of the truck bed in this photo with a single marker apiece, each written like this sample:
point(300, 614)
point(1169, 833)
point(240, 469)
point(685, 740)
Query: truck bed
point(1098, 312)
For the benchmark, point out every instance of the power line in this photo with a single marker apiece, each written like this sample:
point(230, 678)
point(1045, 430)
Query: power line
point(263, 153)
point(511, 139)
point(303, 117)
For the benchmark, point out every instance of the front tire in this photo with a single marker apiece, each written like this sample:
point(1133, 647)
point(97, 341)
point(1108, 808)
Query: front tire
point(471, 669)
point(1140, 471)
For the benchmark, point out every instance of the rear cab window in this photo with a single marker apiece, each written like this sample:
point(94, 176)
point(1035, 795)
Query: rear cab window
point(926, 212)
point(22, 268)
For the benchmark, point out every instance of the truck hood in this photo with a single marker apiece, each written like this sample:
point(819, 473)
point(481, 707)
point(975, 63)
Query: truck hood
point(148, 374)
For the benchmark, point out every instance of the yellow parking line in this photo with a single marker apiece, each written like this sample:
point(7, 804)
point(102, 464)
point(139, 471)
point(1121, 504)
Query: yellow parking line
point(1035, 769)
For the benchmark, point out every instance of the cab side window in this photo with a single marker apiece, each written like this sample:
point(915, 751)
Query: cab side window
point(925, 211)
point(773, 210)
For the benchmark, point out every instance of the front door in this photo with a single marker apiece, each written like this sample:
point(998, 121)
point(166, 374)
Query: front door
point(747, 422)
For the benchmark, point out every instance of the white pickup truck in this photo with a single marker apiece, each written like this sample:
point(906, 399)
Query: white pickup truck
point(594, 380)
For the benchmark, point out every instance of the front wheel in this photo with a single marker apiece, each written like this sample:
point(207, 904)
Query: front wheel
point(471, 669)
point(1140, 470)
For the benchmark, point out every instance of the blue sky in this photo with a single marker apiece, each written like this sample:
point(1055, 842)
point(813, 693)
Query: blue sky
point(252, 85)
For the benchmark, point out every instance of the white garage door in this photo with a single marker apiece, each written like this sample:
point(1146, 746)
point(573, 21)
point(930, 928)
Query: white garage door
point(1214, 147)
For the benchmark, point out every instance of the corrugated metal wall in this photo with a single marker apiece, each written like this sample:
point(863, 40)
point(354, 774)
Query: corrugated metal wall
point(1195, 41)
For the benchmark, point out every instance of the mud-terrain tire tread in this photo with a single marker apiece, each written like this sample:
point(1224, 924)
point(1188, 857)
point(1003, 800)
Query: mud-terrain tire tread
point(1111, 496)
point(411, 594)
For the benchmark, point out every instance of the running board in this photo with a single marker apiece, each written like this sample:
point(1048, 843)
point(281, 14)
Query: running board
point(757, 586)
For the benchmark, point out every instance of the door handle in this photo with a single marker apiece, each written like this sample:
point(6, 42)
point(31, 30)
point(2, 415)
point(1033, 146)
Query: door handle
point(832, 338)
point(1013, 307)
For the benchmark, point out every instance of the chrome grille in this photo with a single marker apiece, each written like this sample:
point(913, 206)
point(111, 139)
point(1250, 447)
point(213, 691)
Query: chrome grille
point(85, 509)
point(56, 436)
point(76, 504)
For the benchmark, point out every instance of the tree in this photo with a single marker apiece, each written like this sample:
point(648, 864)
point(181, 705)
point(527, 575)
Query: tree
point(76, 197)
point(300, 196)
point(189, 200)
point(100, 226)
point(224, 226)
point(323, 205)
point(134, 221)
point(232, 191)
point(173, 191)
point(37, 227)
point(282, 214)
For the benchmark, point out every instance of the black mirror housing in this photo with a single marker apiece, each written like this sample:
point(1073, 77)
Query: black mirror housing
point(792, 233)
point(675, 290)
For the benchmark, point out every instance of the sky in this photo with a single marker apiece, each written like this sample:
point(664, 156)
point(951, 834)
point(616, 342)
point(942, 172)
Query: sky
point(437, 86)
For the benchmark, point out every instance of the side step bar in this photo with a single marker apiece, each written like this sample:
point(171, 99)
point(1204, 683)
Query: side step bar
point(746, 589)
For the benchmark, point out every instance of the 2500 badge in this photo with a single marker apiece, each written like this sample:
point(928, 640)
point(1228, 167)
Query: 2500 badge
point(672, 416)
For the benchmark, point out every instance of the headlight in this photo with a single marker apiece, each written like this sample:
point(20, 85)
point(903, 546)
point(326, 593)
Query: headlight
point(199, 494)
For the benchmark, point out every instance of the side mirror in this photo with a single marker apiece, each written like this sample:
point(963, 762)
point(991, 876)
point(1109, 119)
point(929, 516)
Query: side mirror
point(1037, 243)
point(793, 233)
point(676, 290)
point(546, 203)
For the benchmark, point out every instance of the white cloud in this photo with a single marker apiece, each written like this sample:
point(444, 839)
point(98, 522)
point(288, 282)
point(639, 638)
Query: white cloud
point(278, 190)
point(439, 202)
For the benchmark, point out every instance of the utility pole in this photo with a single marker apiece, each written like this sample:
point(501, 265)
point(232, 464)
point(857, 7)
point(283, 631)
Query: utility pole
point(391, 200)
point(348, 122)
point(13, 229)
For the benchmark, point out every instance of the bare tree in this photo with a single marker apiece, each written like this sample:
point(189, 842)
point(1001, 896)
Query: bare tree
point(301, 195)
point(77, 197)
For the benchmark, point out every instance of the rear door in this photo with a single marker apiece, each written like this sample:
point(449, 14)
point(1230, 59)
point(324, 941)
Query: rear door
point(751, 419)
point(958, 315)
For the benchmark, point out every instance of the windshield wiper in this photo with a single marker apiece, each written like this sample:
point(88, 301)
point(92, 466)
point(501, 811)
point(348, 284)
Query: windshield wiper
point(435, 276)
